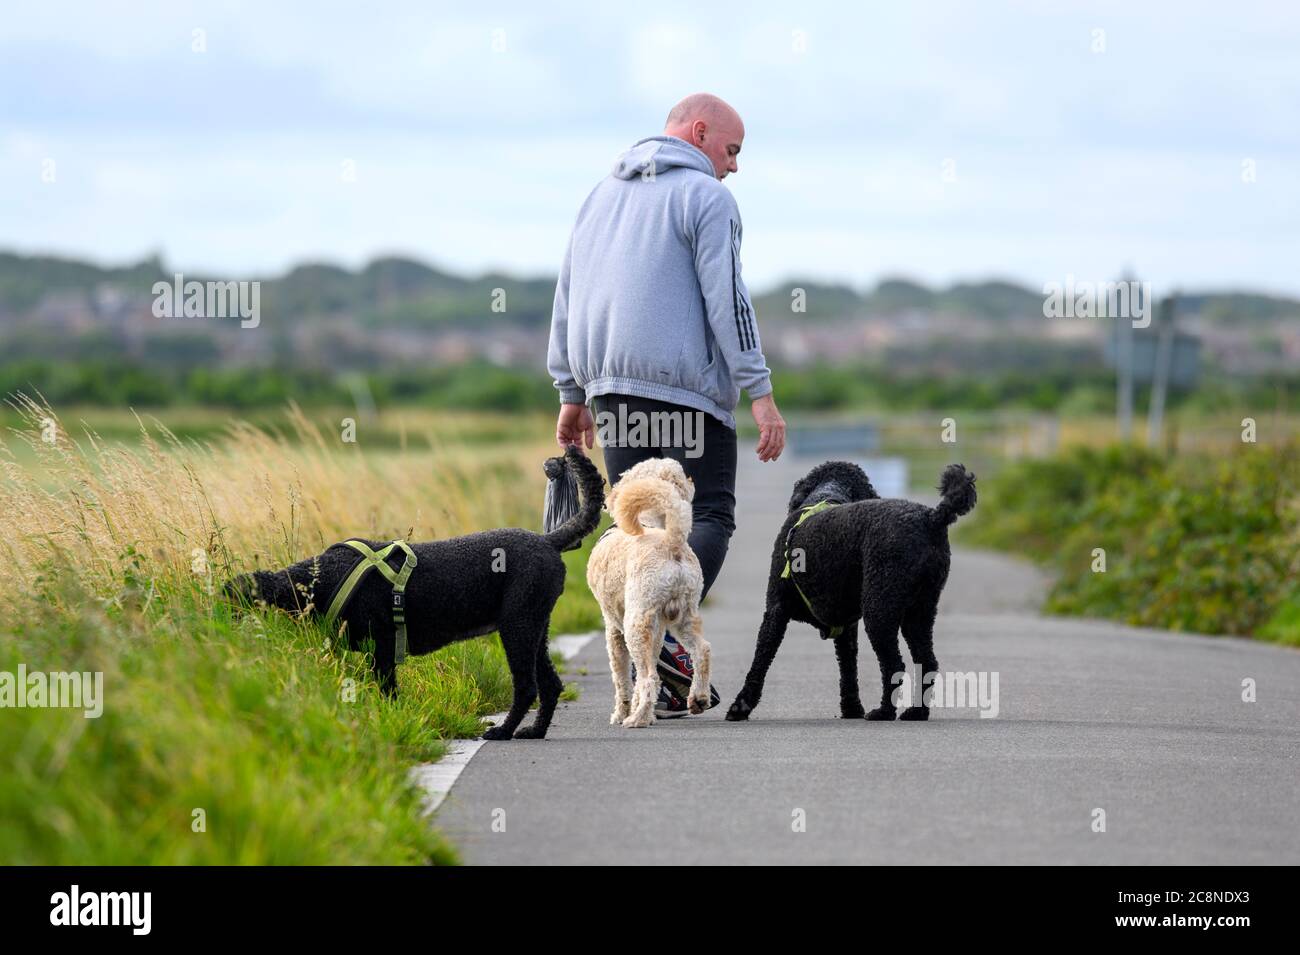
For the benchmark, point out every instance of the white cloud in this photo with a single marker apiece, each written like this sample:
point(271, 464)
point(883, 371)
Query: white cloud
point(1065, 160)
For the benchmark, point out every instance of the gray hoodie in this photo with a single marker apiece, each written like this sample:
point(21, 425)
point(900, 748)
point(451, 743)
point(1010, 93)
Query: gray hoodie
point(650, 301)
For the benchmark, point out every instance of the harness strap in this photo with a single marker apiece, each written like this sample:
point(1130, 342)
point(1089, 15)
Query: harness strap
point(378, 560)
point(807, 512)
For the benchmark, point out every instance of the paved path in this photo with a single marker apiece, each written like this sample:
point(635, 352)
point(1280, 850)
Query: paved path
point(1146, 725)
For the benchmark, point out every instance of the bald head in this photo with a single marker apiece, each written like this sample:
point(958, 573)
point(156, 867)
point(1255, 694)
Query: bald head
point(712, 126)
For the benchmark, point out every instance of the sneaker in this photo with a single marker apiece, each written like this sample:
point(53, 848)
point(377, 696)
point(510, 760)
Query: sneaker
point(675, 673)
point(670, 706)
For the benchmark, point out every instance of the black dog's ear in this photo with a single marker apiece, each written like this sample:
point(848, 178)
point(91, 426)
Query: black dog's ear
point(802, 488)
point(861, 484)
point(846, 474)
point(240, 592)
point(272, 588)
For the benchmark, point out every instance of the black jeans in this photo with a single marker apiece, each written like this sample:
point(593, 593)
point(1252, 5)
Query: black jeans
point(706, 451)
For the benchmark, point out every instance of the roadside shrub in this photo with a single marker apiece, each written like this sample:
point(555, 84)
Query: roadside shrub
point(1198, 543)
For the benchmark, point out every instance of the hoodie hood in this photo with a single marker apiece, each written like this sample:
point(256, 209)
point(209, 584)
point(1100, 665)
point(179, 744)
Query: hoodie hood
point(650, 301)
point(661, 153)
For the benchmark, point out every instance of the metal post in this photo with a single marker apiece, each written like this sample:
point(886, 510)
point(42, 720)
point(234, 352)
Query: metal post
point(1164, 361)
point(1124, 366)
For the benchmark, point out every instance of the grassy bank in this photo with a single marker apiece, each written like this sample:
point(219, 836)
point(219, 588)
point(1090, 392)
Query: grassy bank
point(260, 727)
point(1191, 542)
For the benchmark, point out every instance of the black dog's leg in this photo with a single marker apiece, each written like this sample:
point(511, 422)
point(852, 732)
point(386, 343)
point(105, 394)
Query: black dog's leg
point(846, 653)
point(385, 663)
point(519, 639)
point(883, 634)
point(770, 635)
point(918, 633)
point(549, 688)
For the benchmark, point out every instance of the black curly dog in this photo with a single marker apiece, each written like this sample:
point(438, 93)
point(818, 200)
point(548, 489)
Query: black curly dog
point(504, 580)
point(880, 561)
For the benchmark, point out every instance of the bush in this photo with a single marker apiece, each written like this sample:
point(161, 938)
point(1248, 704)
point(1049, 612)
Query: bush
point(1191, 543)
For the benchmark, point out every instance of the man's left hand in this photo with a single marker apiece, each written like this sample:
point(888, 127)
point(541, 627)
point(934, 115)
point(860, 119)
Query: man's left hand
point(771, 428)
point(575, 427)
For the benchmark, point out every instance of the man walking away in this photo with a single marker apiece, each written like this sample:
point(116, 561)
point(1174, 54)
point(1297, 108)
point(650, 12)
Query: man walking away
point(651, 317)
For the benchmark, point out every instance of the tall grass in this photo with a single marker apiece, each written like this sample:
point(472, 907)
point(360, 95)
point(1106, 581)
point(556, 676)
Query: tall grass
point(111, 557)
point(254, 497)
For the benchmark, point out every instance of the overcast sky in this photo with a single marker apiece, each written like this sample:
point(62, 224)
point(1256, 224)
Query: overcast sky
point(942, 141)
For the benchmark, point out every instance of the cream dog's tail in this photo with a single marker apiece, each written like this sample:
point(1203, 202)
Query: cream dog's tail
point(656, 497)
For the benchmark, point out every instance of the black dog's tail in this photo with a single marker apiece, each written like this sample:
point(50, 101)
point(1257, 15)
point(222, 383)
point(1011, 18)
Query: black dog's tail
point(957, 485)
point(592, 488)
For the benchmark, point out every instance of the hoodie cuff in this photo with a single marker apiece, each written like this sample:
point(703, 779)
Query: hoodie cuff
point(576, 396)
point(760, 389)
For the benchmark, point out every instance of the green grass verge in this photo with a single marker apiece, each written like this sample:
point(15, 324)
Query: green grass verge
point(251, 723)
point(276, 736)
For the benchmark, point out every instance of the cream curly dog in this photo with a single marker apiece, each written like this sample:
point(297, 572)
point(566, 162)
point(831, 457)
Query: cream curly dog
point(646, 578)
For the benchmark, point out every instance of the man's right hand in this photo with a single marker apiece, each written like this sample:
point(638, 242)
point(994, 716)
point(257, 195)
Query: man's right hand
point(771, 428)
point(575, 427)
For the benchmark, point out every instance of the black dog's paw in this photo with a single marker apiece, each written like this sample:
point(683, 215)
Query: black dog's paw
point(881, 713)
point(497, 732)
point(916, 713)
point(739, 711)
point(852, 711)
point(530, 732)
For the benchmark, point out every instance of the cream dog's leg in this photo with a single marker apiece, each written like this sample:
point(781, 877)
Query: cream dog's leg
point(620, 668)
point(642, 645)
point(690, 635)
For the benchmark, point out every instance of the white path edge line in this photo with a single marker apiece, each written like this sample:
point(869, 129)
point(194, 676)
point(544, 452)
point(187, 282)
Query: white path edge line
point(436, 779)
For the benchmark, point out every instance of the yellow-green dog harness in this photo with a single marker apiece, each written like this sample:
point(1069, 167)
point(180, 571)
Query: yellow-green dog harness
point(807, 512)
point(378, 560)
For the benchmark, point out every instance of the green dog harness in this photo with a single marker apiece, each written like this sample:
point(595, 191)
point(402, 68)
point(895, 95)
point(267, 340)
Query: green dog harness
point(807, 512)
point(378, 560)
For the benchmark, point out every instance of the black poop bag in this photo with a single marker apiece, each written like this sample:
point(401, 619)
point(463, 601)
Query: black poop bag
point(561, 496)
